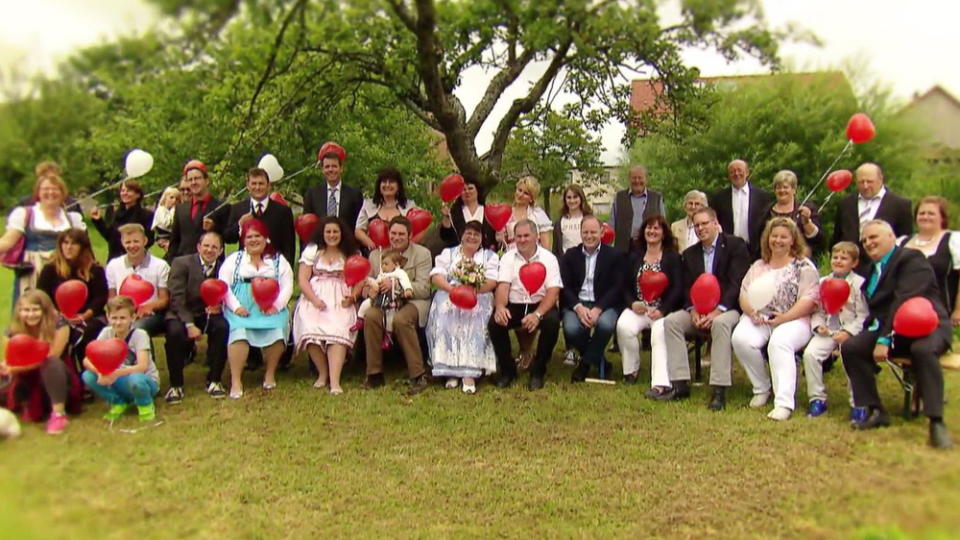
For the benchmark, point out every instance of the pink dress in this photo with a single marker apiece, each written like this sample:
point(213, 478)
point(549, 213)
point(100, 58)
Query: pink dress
point(331, 325)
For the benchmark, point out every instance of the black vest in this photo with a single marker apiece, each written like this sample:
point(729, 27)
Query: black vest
point(625, 216)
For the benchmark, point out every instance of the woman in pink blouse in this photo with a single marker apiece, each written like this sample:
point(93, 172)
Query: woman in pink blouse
point(782, 325)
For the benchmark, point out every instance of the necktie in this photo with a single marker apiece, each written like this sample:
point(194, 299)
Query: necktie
point(259, 211)
point(874, 279)
point(207, 270)
point(865, 213)
point(332, 203)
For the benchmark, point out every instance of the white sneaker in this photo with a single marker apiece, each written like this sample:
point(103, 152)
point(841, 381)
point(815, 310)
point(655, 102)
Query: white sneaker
point(780, 413)
point(469, 388)
point(216, 391)
point(759, 400)
point(570, 357)
point(452, 383)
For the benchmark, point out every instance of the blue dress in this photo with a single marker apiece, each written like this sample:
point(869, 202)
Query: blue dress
point(257, 329)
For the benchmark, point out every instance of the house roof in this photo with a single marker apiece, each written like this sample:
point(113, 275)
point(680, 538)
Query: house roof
point(934, 90)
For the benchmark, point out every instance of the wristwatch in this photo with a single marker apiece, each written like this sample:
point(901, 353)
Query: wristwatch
point(538, 315)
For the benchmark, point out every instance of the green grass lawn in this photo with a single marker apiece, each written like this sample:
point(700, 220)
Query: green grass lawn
point(581, 461)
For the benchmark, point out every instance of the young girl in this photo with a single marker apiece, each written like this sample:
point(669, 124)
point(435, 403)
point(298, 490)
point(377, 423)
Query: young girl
point(137, 380)
point(35, 316)
point(391, 266)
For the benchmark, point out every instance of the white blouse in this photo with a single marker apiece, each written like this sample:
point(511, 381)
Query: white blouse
point(249, 271)
point(39, 222)
point(369, 210)
point(537, 215)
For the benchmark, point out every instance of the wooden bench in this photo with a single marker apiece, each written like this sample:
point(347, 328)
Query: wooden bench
point(902, 370)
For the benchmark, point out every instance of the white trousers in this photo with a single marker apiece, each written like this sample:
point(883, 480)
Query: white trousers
point(818, 350)
point(781, 342)
point(629, 327)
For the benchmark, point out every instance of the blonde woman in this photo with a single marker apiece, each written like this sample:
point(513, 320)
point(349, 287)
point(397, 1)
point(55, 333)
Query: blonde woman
point(163, 216)
point(525, 207)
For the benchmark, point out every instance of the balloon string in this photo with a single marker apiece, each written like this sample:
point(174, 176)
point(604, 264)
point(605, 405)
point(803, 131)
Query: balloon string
point(244, 189)
point(99, 191)
point(825, 201)
point(826, 172)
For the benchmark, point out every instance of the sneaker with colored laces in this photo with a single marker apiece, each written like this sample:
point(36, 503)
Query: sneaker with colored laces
point(858, 415)
point(816, 408)
point(147, 412)
point(216, 391)
point(57, 423)
point(174, 395)
point(116, 411)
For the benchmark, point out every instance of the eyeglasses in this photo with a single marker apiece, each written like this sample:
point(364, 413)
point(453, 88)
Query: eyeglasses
point(702, 224)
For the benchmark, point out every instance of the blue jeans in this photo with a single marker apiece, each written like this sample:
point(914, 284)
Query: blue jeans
point(591, 348)
point(134, 388)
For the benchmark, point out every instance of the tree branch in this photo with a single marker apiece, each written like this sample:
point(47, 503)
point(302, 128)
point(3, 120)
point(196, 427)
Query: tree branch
point(495, 89)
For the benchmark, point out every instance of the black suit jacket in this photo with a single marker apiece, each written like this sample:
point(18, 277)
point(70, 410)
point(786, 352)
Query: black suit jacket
point(760, 200)
point(108, 224)
point(186, 275)
point(351, 199)
point(451, 235)
point(893, 209)
point(187, 230)
point(279, 220)
point(607, 277)
point(671, 264)
point(730, 263)
point(907, 274)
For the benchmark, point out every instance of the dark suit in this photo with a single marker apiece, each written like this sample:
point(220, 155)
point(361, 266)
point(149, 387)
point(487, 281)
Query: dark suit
point(671, 264)
point(907, 274)
point(607, 293)
point(279, 220)
point(760, 200)
point(893, 209)
point(350, 200)
point(186, 306)
point(730, 263)
point(187, 230)
point(117, 218)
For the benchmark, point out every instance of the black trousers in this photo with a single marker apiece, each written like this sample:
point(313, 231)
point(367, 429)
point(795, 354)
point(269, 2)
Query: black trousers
point(178, 347)
point(500, 336)
point(924, 354)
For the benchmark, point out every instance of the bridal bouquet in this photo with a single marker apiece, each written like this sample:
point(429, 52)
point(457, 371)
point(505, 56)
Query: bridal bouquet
point(469, 272)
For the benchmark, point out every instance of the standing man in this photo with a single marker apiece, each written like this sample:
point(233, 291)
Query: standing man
point(408, 319)
point(189, 317)
point(740, 206)
point(726, 257)
point(896, 275)
point(632, 206)
point(592, 298)
point(333, 197)
point(872, 201)
point(190, 218)
point(515, 307)
point(278, 217)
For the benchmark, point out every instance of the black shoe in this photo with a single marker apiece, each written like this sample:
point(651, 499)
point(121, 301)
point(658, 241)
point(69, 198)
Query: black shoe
point(374, 380)
point(939, 436)
point(718, 401)
point(630, 379)
point(535, 382)
point(877, 418)
point(680, 390)
point(504, 381)
point(418, 385)
point(580, 372)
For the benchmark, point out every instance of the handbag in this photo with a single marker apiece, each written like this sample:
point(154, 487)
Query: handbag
point(13, 258)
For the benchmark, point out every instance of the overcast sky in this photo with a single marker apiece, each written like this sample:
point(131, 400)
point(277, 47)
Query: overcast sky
point(909, 45)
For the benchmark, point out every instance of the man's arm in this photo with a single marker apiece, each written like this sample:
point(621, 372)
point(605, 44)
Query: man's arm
point(177, 284)
point(421, 278)
point(568, 294)
point(231, 234)
point(614, 289)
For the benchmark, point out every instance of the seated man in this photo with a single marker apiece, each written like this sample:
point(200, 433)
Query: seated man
point(515, 307)
point(727, 257)
point(189, 317)
point(150, 314)
point(408, 318)
point(897, 274)
point(591, 299)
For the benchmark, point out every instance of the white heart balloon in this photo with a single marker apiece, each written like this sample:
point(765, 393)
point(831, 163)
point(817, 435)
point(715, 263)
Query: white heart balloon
point(268, 161)
point(761, 292)
point(138, 163)
point(275, 173)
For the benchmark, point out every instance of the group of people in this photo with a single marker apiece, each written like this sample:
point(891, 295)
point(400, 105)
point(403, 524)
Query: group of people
point(410, 302)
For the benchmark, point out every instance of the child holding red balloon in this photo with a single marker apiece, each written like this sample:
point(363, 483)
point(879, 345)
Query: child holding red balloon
point(392, 299)
point(840, 315)
point(119, 364)
point(38, 338)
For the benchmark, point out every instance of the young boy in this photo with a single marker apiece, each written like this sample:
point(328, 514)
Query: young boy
point(829, 331)
point(137, 380)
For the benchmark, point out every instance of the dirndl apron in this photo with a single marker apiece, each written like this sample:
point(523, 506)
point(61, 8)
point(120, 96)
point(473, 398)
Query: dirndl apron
point(258, 329)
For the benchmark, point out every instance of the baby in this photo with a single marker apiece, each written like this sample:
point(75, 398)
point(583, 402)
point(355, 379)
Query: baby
point(391, 299)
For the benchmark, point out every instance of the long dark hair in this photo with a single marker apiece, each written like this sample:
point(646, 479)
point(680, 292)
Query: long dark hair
point(85, 259)
point(481, 195)
point(389, 173)
point(669, 243)
point(348, 243)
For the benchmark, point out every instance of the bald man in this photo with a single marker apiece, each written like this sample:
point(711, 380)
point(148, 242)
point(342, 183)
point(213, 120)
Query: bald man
point(873, 200)
point(632, 206)
point(741, 206)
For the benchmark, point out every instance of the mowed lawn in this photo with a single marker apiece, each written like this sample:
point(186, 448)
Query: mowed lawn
point(571, 460)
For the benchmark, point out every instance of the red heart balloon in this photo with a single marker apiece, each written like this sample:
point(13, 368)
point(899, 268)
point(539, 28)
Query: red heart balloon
point(278, 198)
point(464, 297)
point(652, 284)
point(137, 289)
point(451, 187)
point(608, 234)
point(834, 293)
point(71, 296)
point(265, 292)
point(107, 354)
point(532, 275)
point(497, 215)
point(305, 224)
point(377, 230)
point(213, 291)
point(705, 293)
point(25, 351)
point(860, 128)
point(915, 318)
point(355, 270)
point(332, 147)
point(420, 219)
point(839, 180)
